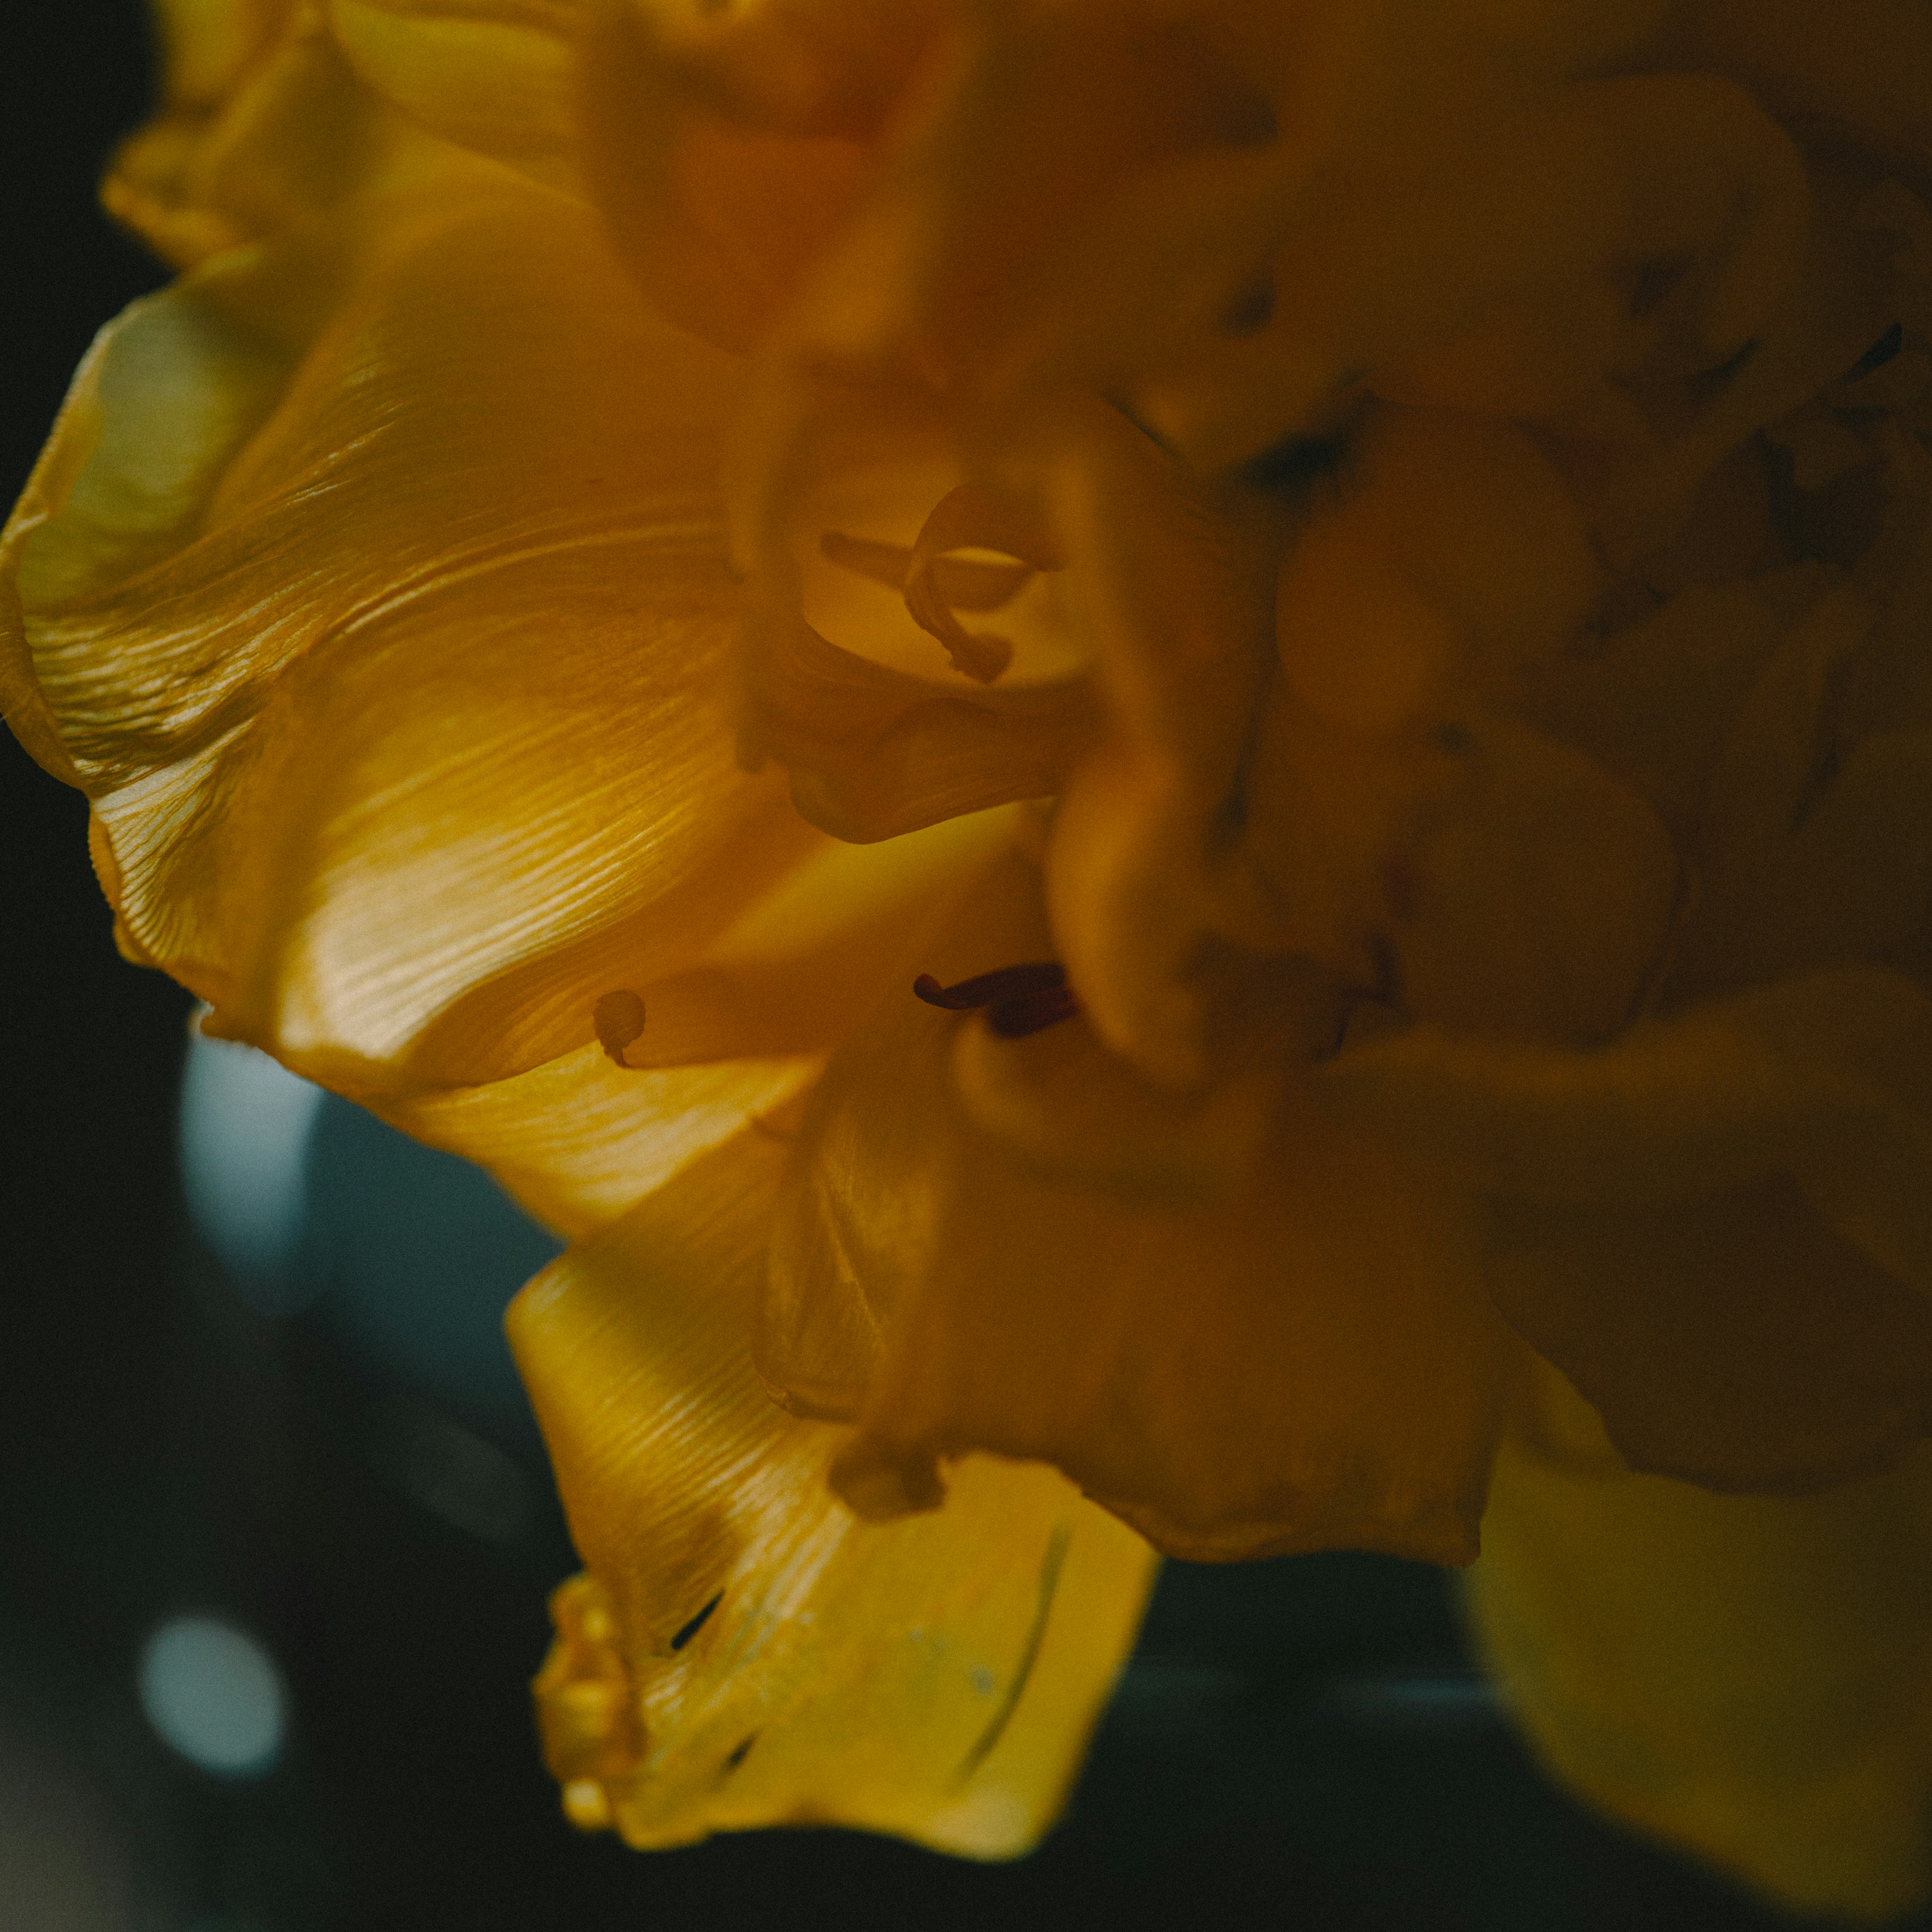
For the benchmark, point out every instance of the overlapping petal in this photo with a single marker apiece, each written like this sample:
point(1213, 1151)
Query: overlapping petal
point(325, 611)
point(263, 127)
point(1715, 1226)
point(1289, 1350)
point(499, 77)
point(744, 1651)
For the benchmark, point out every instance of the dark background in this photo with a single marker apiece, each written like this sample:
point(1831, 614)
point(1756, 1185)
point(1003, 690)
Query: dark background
point(1297, 1745)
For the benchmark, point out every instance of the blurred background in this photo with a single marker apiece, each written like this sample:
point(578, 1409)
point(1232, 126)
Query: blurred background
point(275, 1535)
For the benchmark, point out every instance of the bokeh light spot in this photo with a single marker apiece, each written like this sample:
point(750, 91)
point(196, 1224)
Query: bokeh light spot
point(213, 1693)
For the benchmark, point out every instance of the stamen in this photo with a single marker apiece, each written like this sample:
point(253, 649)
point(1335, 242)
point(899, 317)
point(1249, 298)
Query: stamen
point(973, 517)
point(1022, 999)
point(618, 1018)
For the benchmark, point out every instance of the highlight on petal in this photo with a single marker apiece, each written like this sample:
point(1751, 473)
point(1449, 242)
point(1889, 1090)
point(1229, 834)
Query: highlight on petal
point(578, 1141)
point(743, 1651)
point(1745, 1677)
point(1297, 1356)
point(325, 613)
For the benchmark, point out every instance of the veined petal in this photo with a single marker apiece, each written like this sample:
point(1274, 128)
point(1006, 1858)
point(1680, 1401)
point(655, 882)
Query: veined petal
point(579, 1141)
point(1750, 1678)
point(392, 678)
point(1301, 1359)
point(744, 1651)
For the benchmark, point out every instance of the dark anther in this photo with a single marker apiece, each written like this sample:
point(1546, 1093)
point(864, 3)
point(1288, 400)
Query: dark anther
point(1879, 354)
point(740, 1752)
point(1022, 999)
point(690, 1630)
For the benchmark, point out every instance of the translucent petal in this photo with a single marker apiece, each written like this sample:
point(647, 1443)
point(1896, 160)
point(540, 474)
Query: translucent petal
point(744, 1651)
point(394, 674)
point(1745, 1677)
point(263, 126)
point(579, 1142)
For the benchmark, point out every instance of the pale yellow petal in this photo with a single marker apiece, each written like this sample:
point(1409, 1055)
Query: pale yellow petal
point(745, 1652)
point(1749, 1679)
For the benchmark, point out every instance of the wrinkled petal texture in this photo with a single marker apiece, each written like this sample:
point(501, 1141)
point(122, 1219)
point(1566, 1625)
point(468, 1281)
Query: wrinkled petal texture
point(394, 673)
point(745, 1652)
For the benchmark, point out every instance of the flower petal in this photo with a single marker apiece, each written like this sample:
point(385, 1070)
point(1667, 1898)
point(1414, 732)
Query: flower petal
point(745, 1652)
point(1302, 1359)
point(724, 145)
point(393, 672)
point(499, 76)
point(1825, 1079)
point(1744, 1677)
point(1716, 1227)
point(263, 126)
point(1736, 1341)
point(578, 1141)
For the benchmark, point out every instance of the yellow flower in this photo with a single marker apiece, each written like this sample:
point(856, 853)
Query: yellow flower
point(1343, 586)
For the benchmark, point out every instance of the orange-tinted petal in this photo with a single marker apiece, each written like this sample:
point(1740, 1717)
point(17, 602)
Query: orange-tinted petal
point(1716, 1226)
point(1748, 1678)
point(744, 1651)
point(1825, 1079)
